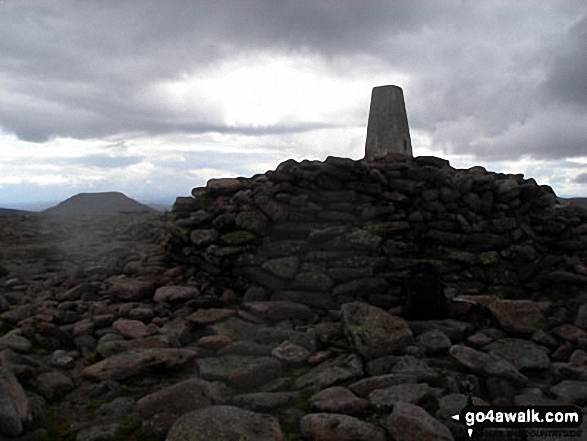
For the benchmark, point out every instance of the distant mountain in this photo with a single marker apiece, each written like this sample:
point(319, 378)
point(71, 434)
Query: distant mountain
point(13, 212)
point(579, 202)
point(97, 203)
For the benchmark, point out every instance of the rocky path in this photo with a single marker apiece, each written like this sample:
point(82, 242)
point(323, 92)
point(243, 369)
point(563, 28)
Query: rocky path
point(100, 340)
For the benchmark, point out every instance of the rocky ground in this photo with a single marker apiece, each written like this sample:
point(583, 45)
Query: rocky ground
point(100, 339)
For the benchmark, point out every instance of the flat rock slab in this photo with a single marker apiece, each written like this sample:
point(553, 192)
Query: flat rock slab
point(408, 422)
point(367, 385)
point(374, 332)
point(265, 401)
point(339, 427)
point(225, 423)
point(180, 398)
point(135, 362)
point(240, 371)
point(281, 310)
point(385, 399)
point(522, 316)
point(338, 399)
point(204, 317)
point(522, 354)
point(235, 328)
point(175, 293)
point(134, 329)
point(487, 364)
point(343, 368)
point(570, 391)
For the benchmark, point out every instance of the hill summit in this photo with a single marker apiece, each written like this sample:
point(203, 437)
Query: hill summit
point(97, 203)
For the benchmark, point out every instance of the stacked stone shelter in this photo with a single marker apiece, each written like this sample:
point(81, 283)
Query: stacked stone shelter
point(324, 233)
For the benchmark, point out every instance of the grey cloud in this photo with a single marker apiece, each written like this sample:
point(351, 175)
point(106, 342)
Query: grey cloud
point(581, 178)
point(105, 161)
point(83, 69)
point(568, 68)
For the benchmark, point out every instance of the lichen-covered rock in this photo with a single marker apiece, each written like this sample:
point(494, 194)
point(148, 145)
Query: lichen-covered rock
point(343, 368)
point(487, 364)
point(137, 361)
point(240, 372)
point(339, 427)
point(409, 422)
point(175, 293)
point(524, 355)
point(385, 399)
point(14, 404)
point(284, 267)
point(374, 332)
point(571, 391)
point(281, 310)
point(522, 316)
point(54, 385)
point(227, 423)
point(338, 399)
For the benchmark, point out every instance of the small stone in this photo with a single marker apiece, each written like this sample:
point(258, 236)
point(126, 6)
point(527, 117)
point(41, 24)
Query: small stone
point(224, 185)
point(62, 359)
point(133, 329)
point(125, 288)
point(176, 293)
point(281, 310)
point(284, 267)
point(312, 281)
point(204, 317)
point(53, 385)
point(15, 341)
point(290, 353)
point(203, 238)
point(119, 407)
point(434, 342)
point(569, 332)
point(213, 342)
point(235, 238)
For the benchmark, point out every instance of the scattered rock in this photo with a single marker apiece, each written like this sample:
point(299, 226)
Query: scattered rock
point(225, 423)
point(338, 427)
point(136, 362)
point(238, 371)
point(374, 332)
point(409, 422)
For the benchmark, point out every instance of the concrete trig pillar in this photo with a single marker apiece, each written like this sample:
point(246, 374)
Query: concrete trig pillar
point(387, 130)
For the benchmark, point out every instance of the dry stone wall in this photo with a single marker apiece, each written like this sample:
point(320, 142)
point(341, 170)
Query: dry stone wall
point(327, 233)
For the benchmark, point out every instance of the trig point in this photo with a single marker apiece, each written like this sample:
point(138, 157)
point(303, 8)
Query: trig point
point(387, 130)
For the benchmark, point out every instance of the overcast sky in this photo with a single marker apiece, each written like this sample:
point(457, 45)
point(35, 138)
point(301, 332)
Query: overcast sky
point(152, 98)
